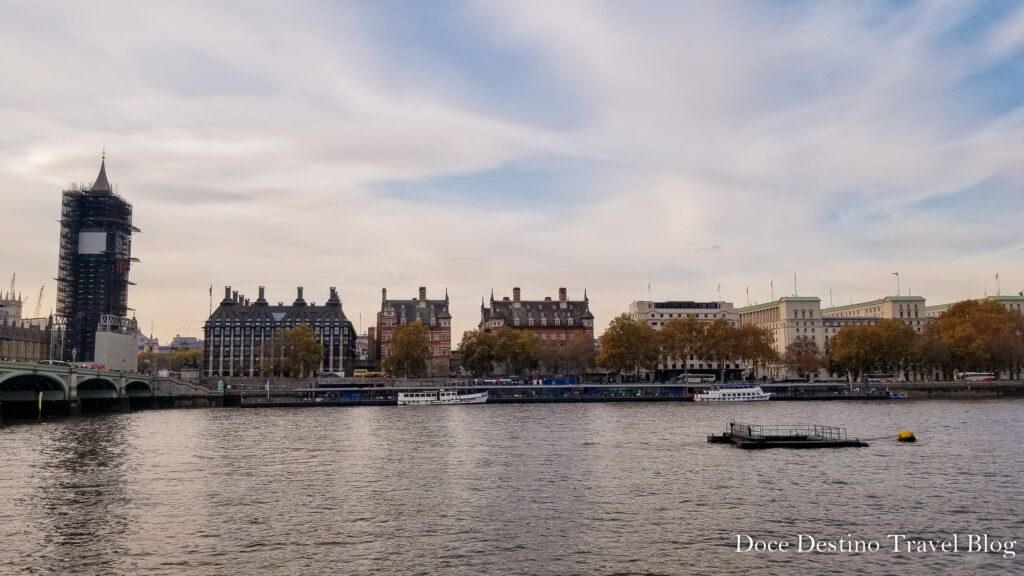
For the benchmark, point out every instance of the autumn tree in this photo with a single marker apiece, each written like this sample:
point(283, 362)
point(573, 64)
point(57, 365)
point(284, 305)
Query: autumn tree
point(301, 351)
point(897, 347)
point(409, 350)
point(679, 339)
point(186, 358)
point(852, 351)
point(152, 362)
point(890, 346)
point(802, 357)
point(977, 336)
point(578, 354)
point(477, 351)
point(550, 359)
point(721, 343)
point(272, 358)
point(756, 347)
point(516, 350)
point(628, 345)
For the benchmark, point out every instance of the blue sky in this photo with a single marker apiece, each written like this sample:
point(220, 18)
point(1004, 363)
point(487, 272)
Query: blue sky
point(477, 145)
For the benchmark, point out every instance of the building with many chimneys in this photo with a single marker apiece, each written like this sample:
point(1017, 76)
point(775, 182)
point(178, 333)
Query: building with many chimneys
point(244, 338)
point(433, 314)
point(553, 322)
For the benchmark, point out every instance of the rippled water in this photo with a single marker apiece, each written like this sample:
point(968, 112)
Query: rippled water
point(504, 489)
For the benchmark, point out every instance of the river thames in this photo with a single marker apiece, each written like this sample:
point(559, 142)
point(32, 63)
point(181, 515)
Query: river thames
point(616, 488)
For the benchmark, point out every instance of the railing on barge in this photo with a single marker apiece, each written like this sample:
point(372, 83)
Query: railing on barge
point(787, 431)
point(785, 436)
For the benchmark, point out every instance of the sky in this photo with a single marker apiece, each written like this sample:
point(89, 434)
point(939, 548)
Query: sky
point(740, 151)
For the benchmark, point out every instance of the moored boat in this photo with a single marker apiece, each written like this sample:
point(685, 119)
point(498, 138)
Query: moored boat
point(727, 393)
point(442, 396)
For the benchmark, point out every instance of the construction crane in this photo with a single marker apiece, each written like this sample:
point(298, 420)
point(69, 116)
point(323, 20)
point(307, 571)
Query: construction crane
point(39, 302)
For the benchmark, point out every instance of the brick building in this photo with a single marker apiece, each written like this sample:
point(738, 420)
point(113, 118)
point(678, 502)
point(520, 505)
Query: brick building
point(434, 314)
point(553, 322)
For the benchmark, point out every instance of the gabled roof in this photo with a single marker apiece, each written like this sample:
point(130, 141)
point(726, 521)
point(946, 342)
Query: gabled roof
point(411, 311)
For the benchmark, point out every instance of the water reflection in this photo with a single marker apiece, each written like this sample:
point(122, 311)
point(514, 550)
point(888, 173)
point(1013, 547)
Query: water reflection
point(541, 489)
point(81, 501)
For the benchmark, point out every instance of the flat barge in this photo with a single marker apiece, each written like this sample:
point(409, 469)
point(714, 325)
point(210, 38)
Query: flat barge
point(760, 436)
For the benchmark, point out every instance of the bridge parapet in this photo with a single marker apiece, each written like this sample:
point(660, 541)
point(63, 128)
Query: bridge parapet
point(18, 378)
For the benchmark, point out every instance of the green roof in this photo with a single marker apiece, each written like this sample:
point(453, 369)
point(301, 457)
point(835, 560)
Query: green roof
point(783, 299)
point(857, 305)
point(874, 302)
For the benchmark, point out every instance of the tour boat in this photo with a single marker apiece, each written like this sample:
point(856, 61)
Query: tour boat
point(441, 396)
point(733, 394)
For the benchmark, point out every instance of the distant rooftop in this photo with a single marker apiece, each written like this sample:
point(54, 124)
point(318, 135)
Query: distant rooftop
point(783, 299)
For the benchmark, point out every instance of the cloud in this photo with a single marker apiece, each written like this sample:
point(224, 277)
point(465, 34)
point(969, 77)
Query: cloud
point(474, 146)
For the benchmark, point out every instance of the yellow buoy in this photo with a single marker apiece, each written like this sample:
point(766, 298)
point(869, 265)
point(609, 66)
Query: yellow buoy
point(906, 436)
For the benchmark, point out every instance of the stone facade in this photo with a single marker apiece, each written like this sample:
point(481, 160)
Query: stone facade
point(656, 314)
point(26, 340)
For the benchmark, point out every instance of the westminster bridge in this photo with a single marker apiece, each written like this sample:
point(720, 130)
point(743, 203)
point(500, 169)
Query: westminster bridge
point(31, 390)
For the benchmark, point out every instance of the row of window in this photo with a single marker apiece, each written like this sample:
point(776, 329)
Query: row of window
point(543, 321)
point(681, 315)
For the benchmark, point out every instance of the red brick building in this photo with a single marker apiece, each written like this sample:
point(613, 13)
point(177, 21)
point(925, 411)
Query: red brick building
point(433, 314)
point(553, 322)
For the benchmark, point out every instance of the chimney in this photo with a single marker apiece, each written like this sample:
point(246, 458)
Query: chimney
point(227, 292)
point(261, 293)
point(423, 293)
point(298, 300)
point(515, 294)
point(561, 294)
point(234, 296)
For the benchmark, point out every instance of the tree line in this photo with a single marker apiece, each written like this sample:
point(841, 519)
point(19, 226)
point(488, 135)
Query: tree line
point(520, 352)
point(630, 346)
point(970, 336)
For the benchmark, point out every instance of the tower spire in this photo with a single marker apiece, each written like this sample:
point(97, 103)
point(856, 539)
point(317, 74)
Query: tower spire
point(101, 184)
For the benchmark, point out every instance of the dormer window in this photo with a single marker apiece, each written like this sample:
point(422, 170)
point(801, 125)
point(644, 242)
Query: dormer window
point(568, 321)
point(543, 321)
point(557, 320)
point(516, 320)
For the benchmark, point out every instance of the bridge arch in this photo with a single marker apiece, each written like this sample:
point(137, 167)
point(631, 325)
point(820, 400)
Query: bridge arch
point(138, 388)
point(26, 386)
point(96, 387)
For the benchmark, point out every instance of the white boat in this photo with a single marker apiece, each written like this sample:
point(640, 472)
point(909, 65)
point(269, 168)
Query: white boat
point(441, 396)
point(733, 394)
